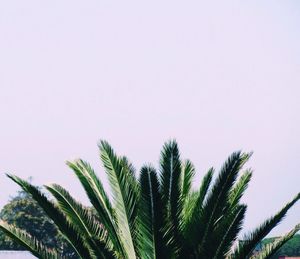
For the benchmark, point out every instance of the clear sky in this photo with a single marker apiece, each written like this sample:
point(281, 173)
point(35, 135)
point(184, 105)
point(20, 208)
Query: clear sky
point(218, 76)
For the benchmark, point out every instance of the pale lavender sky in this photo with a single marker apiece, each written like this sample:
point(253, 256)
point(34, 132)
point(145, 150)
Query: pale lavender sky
point(216, 75)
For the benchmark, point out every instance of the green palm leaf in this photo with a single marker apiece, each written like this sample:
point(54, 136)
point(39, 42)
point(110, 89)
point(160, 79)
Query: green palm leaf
point(192, 224)
point(67, 229)
point(217, 201)
point(125, 194)
point(151, 216)
point(227, 232)
point(135, 186)
point(170, 178)
point(84, 221)
point(28, 242)
point(98, 197)
point(239, 189)
point(188, 172)
point(251, 240)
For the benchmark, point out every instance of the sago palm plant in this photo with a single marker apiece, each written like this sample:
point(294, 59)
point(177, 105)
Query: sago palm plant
point(158, 215)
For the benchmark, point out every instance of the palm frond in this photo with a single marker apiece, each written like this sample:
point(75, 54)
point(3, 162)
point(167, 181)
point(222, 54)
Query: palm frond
point(151, 216)
point(192, 225)
point(239, 189)
point(218, 198)
point(135, 186)
point(188, 172)
point(188, 197)
point(204, 187)
point(84, 221)
point(125, 162)
point(171, 193)
point(251, 240)
point(99, 199)
point(187, 212)
point(270, 249)
point(30, 243)
point(227, 232)
point(125, 194)
point(67, 229)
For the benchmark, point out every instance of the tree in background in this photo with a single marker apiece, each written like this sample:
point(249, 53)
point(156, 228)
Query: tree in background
point(158, 216)
point(290, 248)
point(24, 212)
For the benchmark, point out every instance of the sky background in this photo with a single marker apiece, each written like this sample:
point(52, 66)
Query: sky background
point(218, 76)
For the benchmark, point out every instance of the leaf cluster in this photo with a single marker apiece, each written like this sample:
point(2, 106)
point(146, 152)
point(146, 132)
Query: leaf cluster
point(157, 215)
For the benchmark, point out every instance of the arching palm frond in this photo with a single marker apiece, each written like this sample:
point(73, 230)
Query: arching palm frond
point(67, 229)
point(99, 199)
point(217, 201)
point(238, 191)
point(84, 221)
point(270, 249)
point(30, 243)
point(125, 194)
point(250, 241)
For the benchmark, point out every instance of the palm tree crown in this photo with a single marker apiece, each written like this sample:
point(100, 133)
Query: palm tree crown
point(158, 215)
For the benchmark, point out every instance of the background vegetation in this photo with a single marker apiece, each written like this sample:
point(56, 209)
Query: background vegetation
point(291, 248)
point(24, 212)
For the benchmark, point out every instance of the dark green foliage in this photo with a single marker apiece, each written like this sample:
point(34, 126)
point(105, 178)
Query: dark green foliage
point(151, 216)
point(24, 212)
point(28, 242)
point(170, 178)
point(58, 217)
point(158, 216)
point(290, 248)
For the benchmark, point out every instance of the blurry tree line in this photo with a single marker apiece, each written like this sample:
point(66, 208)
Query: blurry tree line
point(291, 248)
point(24, 212)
